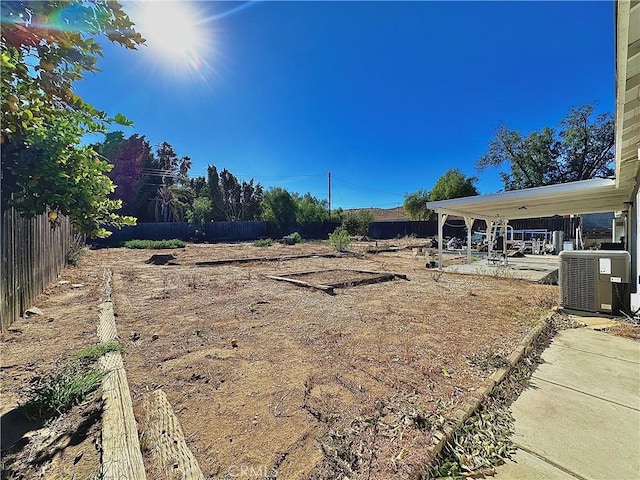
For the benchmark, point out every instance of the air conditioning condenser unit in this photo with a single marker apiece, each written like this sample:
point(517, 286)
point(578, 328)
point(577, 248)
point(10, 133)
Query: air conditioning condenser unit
point(595, 280)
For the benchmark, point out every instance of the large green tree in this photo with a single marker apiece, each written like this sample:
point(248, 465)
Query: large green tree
point(415, 205)
point(45, 47)
point(310, 209)
point(128, 157)
point(279, 208)
point(453, 184)
point(232, 199)
point(582, 147)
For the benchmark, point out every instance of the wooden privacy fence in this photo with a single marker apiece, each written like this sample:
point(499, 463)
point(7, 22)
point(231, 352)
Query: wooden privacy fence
point(252, 230)
point(32, 255)
point(214, 231)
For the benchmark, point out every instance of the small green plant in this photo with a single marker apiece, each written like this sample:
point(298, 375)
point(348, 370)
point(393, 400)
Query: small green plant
point(96, 351)
point(70, 384)
point(340, 239)
point(297, 238)
point(155, 244)
point(55, 393)
point(263, 242)
point(76, 249)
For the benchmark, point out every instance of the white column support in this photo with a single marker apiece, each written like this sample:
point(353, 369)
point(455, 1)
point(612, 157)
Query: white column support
point(489, 238)
point(505, 222)
point(468, 221)
point(442, 217)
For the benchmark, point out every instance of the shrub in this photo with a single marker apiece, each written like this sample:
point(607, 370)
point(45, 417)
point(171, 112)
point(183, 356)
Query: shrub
point(358, 223)
point(263, 242)
point(297, 238)
point(340, 239)
point(155, 244)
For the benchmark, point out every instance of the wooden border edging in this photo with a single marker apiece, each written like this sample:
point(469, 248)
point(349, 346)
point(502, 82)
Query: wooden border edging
point(329, 287)
point(162, 429)
point(467, 410)
point(325, 288)
point(121, 455)
point(224, 261)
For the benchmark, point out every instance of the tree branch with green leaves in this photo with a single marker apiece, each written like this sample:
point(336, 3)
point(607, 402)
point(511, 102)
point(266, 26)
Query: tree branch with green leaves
point(582, 147)
point(45, 48)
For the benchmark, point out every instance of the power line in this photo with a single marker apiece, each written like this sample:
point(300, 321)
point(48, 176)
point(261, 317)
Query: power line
point(265, 177)
point(368, 188)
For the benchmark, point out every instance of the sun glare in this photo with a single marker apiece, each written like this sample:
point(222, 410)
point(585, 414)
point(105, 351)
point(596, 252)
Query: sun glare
point(175, 34)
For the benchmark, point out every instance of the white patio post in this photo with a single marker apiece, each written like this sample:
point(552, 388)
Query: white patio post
point(441, 219)
point(468, 221)
point(489, 238)
point(504, 238)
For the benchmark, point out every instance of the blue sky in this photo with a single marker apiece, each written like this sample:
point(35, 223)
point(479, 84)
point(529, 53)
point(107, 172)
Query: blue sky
point(385, 95)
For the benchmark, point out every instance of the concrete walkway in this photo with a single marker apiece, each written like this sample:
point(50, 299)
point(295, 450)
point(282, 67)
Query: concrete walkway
point(580, 416)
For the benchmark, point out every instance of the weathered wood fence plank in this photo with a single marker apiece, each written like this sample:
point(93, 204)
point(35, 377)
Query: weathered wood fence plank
point(32, 254)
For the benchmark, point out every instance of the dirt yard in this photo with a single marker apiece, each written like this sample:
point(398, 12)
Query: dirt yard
point(318, 386)
point(66, 447)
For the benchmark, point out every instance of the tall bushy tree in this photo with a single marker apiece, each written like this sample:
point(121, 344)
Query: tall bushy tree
point(415, 205)
point(168, 163)
point(453, 184)
point(215, 193)
point(358, 222)
point(581, 148)
point(231, 199)
point(201, 211)
point(128, 156)
point(310, 209)
point(279, 208)
point(47, 46)
point(198, 186)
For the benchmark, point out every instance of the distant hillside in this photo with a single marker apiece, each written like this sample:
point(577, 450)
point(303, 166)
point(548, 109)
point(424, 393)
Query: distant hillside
point(384, 214)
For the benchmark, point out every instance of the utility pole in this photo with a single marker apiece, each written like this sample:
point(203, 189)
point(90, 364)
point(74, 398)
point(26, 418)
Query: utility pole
point(329, 196)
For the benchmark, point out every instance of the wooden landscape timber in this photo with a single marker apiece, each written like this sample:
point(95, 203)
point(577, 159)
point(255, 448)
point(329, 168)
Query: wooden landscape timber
point(376, 277)
point(325, 288)
point(211, 263)
point(121, 455)
point(171, 456)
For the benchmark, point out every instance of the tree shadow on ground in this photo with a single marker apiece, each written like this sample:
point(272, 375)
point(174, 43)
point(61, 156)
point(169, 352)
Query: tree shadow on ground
point(15, 425)
point(68, 430)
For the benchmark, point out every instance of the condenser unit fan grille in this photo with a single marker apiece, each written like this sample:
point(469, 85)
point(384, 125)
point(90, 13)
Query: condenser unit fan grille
point(579, 283)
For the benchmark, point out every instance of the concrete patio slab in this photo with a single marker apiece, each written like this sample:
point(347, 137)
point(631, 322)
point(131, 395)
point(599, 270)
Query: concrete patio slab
point(534, 268)
point(581, 413)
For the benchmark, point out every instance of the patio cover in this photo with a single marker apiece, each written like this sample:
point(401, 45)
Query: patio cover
point(586, 196)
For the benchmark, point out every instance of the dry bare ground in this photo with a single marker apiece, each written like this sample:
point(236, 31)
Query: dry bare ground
point(66, 447)
point(319, 386)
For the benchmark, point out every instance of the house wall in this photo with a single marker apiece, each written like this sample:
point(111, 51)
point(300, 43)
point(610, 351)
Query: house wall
point(634, 250)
